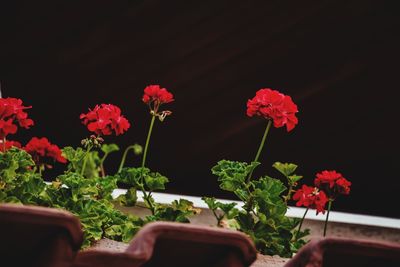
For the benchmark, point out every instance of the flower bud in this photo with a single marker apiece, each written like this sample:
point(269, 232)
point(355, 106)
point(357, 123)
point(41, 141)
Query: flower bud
point(137, 149)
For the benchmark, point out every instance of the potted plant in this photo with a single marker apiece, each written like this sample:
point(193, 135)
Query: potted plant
point(263, 215)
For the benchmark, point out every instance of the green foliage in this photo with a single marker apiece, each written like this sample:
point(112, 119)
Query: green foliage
point(142, 179)
point(146, 181)
point(132, 176)
point(87, 198)
point(109, 148)
point(232, 174)
point(18, 181)
point(155, 181)
point(263, 214)
point(129, 199)
point(288, 169)
point(76, 158)
point(222, 211)
point(179, 211)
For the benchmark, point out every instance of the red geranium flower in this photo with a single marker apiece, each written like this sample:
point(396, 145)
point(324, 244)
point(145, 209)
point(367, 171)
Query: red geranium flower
point(154, 93)
point(311, 197)
point(333, 183)
point(274, 106)
point(9, 144)
point(105, 119)
point(41, 148)
point(11, 113)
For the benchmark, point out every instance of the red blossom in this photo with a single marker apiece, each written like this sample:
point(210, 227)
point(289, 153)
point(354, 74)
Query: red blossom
point(104, 119)
point(311, 197)
point(10, 144)
point(333, 183)
point(274, 106)
point(156, 94)
point(12, 113)
point(41, 149)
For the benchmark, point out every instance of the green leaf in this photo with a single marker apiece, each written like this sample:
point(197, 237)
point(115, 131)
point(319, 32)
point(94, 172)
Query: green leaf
point(229, 209)
point(269, 205)
point(246, 222)
point(128, 231)
point(271, 185)
point(106, 186)
point(294, 178)
point(129, 198)
point(76, 159)
point(132, 176)
point(178, 211)
point(242, 194)
point(109, 148)
point(232, 174)
point(155, 181)
point(285, 168)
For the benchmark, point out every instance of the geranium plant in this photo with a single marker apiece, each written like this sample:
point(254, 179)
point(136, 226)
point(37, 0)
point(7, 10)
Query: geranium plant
point(265, 203)
point(143, 179)
point(265, 199)
point(85, 188)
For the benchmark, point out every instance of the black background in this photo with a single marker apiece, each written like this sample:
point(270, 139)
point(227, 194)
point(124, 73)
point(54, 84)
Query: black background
point(337, 59)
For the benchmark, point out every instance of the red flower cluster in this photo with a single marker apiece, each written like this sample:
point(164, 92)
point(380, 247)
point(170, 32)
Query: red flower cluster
point(11, 113)
point(154, 93)
point(274, 106)
point(311, 197)
point(105, 119)
point(9, 144)
point(333, 183)
point(40, 148)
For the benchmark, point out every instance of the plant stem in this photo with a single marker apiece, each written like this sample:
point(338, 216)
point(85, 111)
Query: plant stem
point(85, 159)
point(4, 144)
point(121, 165)
point(301, 223)
point(103, 172)
point(260, 147)
point(327, 216)
point(145, 196)
point(287, 197)
point(148, 140)
point(219, 218)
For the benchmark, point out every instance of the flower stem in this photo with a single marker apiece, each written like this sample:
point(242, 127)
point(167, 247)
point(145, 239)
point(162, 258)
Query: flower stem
point(121, 165)
point(327, 216)
point(85, 159)
point(103, 172)
point(148, 140)
point(301, 223)
point(145, 195)
point(4, 144)
point(289, 194)
point(260, 147)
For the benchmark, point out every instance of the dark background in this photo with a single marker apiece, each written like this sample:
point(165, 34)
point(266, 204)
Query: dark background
point(337, 59)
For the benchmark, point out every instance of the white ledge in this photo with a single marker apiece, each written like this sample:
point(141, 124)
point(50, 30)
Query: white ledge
point(334, 216)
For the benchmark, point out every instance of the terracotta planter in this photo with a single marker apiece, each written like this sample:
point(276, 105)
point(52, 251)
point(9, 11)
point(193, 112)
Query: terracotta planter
point(37, 236)
point(329, 252)
point(176, 244)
